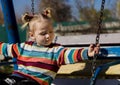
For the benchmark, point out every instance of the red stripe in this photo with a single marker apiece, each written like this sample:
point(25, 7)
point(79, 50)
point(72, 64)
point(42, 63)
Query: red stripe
point(79, 55)
point(40, 65)
point(29, 42)
point(75, 55)
point(34, 59)
point(1, 44)
point(61, 60)
point(14, 50)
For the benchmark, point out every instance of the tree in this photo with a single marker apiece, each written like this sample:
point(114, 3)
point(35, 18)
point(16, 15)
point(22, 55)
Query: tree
point(60, 10)
point(1, 17)
point(118, 9)
point(19, 16)
point(90, 14)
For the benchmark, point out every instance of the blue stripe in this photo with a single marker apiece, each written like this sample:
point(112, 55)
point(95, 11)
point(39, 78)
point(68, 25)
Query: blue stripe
point(4, 49)
point(37, 74)
point(70, 56)
point(85, 54)
point(38, 54)
point(57, 55)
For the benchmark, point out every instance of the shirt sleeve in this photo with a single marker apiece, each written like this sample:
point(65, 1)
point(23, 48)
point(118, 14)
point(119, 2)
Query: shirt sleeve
point(8, 50)
point(71, 55)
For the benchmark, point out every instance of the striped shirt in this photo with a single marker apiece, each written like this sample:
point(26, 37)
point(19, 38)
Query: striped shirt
point(41, 63)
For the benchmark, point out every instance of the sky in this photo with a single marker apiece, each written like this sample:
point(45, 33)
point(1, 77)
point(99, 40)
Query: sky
point(19, 5)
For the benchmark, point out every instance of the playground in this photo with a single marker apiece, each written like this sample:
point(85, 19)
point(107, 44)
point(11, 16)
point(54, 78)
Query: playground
point(102, 69)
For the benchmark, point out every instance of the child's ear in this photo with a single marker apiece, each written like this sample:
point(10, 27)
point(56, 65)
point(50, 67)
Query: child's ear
point(31, 36)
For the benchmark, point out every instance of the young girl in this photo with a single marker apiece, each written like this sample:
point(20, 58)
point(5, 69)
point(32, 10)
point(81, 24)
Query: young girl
point(39, 59)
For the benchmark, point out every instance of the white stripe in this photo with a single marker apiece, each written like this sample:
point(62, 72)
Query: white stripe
point(66, 56)
point(44, 49)
point(40, 70)
point(9, 46)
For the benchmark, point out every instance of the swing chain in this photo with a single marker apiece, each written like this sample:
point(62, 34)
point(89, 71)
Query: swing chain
point(100, 22)
point(32, 5)
point(97, 39)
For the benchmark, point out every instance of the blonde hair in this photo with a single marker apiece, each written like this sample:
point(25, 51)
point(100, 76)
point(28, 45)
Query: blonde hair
point(31, 20)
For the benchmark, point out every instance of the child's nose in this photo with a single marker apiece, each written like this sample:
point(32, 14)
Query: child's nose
point(47, 36)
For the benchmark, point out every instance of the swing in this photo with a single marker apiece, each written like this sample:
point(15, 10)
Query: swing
point(104, 51)
point(97, 70)
point(97, 42)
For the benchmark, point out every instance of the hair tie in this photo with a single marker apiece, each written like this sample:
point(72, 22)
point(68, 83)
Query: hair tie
point(47, 12)
point(26, 18)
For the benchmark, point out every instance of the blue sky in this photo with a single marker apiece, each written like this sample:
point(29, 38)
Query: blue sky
point(19, 5)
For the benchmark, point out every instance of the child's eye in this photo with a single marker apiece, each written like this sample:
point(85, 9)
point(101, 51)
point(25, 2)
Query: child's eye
point(51, 31)
point(43, 33)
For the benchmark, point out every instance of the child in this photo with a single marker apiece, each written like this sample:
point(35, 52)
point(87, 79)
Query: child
point(39, 59)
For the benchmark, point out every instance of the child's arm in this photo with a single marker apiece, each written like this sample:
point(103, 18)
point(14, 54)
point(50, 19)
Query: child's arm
point(7, 50)
point(72, 55)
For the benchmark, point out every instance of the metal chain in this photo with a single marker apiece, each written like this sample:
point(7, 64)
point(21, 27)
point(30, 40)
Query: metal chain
point(97, 38)
point(100, 21)
point(32, 5)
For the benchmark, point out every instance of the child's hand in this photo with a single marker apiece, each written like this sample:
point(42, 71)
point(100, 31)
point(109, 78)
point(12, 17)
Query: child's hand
point(1, 57)
point(92, 50)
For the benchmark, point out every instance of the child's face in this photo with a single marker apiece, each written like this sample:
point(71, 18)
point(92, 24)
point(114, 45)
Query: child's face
point(43, 34)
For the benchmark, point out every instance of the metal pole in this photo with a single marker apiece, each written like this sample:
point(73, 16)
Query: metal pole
point(10, 23)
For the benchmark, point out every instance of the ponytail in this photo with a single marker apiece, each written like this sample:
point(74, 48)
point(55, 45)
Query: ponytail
point(26, 18)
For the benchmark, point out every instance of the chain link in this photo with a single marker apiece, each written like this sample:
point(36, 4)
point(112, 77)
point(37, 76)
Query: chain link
point(97, 39)
point(32, 6)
